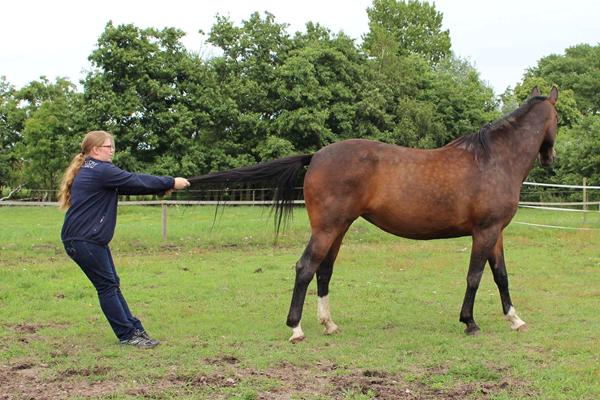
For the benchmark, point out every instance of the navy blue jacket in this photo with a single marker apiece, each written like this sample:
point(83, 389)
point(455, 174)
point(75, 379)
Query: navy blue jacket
point(94, 195)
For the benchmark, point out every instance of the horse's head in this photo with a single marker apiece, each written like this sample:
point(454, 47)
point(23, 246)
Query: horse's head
point(550, 128)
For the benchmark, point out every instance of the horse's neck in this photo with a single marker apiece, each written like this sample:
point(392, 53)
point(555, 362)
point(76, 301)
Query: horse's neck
point(520, 145)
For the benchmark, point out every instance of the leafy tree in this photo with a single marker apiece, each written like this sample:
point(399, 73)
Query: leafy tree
point(149, 92)
point(567, 108)
point(578, 70)
point(577, 152)
point(271, 94)
point(248, 83)
point(11, 123)
point(404, 116)
point(414, 123)
point(463, 103)
point(321, 83)
point(274, 147)
point(406, 27)
point(430, 105)
point(49, 136)
point(432, 96)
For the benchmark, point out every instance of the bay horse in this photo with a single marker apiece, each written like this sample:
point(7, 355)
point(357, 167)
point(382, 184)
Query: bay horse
point(471, 186)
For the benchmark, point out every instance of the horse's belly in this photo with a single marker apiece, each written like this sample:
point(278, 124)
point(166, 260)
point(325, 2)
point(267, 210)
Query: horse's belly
point(419, 227)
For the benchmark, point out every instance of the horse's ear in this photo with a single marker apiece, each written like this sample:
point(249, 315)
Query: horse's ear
point(535, 92)
point(553, 95)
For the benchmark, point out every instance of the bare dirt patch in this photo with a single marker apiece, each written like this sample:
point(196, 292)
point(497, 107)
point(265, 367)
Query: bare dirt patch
point(31, 328)
point(26, 379)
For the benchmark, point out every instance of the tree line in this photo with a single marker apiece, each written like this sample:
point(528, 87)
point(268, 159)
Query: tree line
point(269, 94)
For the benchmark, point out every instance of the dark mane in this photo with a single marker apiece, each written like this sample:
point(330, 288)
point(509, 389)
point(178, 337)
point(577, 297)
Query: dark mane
point(481, 141)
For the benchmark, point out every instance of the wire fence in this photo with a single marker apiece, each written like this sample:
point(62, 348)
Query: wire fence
point(558, 196)
point(552, 197)
point(244, 195)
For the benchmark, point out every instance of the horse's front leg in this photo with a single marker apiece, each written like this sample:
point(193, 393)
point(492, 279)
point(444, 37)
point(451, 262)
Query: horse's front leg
point(483, 243)
point(498, 266)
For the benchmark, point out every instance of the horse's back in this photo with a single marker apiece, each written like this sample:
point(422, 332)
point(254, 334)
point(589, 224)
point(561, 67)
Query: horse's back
point(376, 166)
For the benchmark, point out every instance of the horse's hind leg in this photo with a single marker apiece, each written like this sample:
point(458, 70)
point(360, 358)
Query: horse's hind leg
point(316, 251)
point(323, 277)
point(483, 244)
point(498, 267)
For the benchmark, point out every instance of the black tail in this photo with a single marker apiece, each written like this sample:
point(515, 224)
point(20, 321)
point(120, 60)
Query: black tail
point(281, 175)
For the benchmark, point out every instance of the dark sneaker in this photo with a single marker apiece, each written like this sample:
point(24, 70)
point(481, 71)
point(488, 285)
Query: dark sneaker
point(145, 335)
point(141, 340)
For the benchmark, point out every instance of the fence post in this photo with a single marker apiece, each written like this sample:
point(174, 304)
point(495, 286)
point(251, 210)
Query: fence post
point(164, 221)
point(585, 194)
point(585, 200)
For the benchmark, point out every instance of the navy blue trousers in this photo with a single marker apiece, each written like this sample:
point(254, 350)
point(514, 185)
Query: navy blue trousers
point(97, 264)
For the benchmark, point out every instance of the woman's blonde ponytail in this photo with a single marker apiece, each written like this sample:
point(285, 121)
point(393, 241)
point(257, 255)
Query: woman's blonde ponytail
point(64, 195)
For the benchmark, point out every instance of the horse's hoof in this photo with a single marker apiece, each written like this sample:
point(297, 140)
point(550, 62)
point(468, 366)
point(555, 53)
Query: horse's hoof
point(331, 329)
point(472, 330)
point(297, 339)
point(522, 328)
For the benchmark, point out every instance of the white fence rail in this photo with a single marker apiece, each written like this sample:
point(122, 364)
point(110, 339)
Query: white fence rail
point(261, 196)
point(561, 186)
point(584, 206)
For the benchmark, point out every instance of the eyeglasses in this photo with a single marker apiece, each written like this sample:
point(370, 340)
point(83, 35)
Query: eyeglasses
point(108, 145)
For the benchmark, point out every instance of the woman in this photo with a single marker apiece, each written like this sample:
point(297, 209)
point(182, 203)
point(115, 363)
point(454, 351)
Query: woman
point(89, 192)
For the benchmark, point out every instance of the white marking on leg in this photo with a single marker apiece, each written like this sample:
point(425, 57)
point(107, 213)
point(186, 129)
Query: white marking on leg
point(324, 315)
point(323, 312)
point(297, 334)
point(516, 323)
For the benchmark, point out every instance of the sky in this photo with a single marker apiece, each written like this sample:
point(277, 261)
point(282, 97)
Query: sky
point(501, 39)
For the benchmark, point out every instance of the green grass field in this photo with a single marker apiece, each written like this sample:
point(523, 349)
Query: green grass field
point(217, 297)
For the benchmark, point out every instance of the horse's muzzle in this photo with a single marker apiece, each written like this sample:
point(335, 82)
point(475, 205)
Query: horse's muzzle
point(547, 158)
